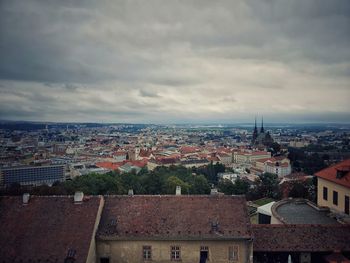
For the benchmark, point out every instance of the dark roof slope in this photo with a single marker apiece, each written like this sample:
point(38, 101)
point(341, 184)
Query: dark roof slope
point(174, 217)
point(330, 173)
point(307, 238)
point(46, 228)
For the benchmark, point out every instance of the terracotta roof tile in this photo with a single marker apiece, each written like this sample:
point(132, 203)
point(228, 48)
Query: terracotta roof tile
point(330, 173)
point(189, 149)
point(109, 165)
point(46, 228)
point(179, 217)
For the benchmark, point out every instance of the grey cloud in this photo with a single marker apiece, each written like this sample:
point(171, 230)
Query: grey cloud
point(145, 93)
point(168, 81)
point(229, 99)
point(137, 60)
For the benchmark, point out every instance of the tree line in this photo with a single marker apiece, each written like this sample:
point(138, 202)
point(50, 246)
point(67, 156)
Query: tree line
point(162, 180)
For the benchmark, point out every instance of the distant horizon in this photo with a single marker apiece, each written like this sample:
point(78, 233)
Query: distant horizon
point(245, 123)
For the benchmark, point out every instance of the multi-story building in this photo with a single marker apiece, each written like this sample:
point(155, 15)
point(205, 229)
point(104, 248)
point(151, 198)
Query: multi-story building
point(120, 156)
point(298, 144)
point(225, 158)
point(32, 175)
point(333, 187)
point(275, 165)
point(175, 228)
point(248, 157)
point(167, 161)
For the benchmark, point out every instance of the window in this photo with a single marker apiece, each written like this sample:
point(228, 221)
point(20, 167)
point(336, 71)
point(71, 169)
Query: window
point(104, 260)
point(233, 253)
point(347, 204)
point(204, 254)
point(335, 197)
point(175, 253)
point(325, 193)
point(147, 252)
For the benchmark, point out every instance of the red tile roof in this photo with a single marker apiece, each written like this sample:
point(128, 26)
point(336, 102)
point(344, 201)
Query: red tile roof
point(214, 159)
point(139, 163)
point(167, 160)
point(46, 228)
point(109, 165)
point(301, 238)
point(189, 149)
point(222, 154)
point(297, 176)
point(179, 217)
point(262, 160)
point(145, 153)
point(330, 173)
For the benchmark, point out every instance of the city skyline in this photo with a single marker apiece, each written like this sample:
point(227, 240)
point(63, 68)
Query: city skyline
point(175, 62)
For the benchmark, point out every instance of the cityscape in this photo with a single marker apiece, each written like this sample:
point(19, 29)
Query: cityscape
point(180, 131)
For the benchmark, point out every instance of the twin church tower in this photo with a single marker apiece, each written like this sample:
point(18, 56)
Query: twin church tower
point(262, 138)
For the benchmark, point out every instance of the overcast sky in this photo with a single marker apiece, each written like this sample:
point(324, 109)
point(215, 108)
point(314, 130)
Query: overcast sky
point(175, 61)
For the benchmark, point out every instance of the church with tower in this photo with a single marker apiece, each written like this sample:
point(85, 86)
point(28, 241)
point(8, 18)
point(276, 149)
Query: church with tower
point(261, 139)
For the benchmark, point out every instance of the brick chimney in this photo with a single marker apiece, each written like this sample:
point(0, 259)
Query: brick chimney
point(214, 191)
point(25, 198)
point(178, 190)
point(78, 197)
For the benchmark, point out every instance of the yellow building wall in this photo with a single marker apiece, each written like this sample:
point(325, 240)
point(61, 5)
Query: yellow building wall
point(342, 191)
point(132, 251)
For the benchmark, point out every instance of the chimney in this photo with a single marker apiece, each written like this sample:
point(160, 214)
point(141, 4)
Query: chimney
point(131, 192)
point(178, 190)
point(78, 197)
point(25, 198)
point(214, 191)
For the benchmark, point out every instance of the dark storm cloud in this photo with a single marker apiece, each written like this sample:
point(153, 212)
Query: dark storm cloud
point(169, 60)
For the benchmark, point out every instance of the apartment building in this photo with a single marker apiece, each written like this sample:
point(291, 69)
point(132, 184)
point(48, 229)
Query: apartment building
point(333, 187)
point(31, 175)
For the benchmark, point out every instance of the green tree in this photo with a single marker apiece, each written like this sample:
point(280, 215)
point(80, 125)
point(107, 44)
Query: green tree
point(211, 171)
point(299, 190)
point(199, 185)
point(131, 181)
point(172, 182)
point(240, 187)
point(153, 183)
point(226, 186)
point(268, 186)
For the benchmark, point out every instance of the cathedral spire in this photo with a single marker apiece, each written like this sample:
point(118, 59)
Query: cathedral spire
point(255, 133)
point(255, 124)
point(262, 130)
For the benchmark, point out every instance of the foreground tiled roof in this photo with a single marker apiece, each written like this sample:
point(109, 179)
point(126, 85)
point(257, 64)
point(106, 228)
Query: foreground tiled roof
point(308, 238)
point(330, 173)
point(174, 217)
point(46, 228)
